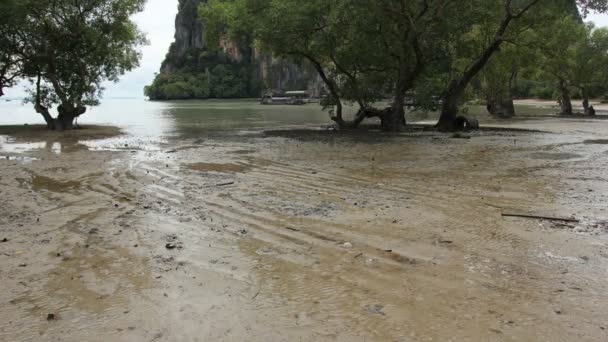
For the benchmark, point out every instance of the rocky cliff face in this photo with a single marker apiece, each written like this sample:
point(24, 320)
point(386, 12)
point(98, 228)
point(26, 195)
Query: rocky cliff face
point(188, 34)
point(259, 72)
point(284, 75)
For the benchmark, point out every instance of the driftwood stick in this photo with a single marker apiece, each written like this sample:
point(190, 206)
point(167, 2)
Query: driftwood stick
point(540, 217)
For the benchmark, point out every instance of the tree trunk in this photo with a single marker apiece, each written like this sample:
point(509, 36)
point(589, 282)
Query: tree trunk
point(387, 117)
point(456, 88)
point(50, 122)
point(332, 88)
point(502, 107)
point(42, 110)
point(65, 121)
point(394, 120)
point(338, 117)
point(67, 115)
point(449, 109)
point(586, 107)
point(564, 100)
point(507, 105)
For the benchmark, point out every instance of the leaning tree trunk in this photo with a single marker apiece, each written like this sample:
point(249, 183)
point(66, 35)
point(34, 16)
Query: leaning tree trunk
point(565, 101)
point(333, 90)
point(457, 87)
point(42, 110)
point(50, 122)
point(455, 90)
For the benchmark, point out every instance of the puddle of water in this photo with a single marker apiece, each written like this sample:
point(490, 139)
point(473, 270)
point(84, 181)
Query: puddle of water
point(55, 147)
point(213, 167)
point(45, 183)
point(555, 156)
point(243, 152)
point(22, 139)
point(12, 147)
point(125, 143)
point(24, 159)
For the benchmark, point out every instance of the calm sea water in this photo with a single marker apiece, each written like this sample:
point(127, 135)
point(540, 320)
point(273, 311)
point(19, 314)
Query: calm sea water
point(160, 120)
point(145, 118)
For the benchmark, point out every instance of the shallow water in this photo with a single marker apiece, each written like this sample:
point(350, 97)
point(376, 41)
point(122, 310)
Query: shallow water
point(182, 119)
point(164, 119)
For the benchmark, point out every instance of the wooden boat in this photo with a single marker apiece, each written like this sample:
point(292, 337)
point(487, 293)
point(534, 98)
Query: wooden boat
point(299, 97)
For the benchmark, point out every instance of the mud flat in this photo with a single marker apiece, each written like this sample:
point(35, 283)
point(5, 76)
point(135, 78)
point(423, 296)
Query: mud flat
point(307, 236)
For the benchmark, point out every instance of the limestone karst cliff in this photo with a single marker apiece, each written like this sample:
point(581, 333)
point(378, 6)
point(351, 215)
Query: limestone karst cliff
point(188, 35)
point(191, 70)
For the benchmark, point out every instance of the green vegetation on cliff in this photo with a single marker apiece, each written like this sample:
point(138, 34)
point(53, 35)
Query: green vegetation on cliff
point(193, 70)
point(204, 75)
point(228, 67)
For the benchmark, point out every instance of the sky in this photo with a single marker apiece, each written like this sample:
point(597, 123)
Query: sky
point(158, 22)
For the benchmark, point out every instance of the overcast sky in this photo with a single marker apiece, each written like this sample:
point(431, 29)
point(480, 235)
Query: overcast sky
point(158, 22)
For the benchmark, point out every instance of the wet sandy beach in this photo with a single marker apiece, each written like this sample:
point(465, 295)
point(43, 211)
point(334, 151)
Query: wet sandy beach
point(304, 235)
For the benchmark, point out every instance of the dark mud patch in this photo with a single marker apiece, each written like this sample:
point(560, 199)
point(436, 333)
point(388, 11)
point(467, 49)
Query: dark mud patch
point(510, 130)
point(596, 142)
point(243, 152)
point(583, 116)
point(364, 135)
point(374, 135)
point(555, 156)
point(45, 183)
point(223, 168)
